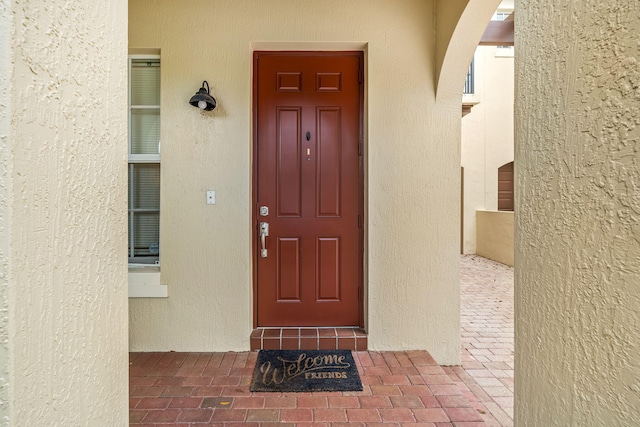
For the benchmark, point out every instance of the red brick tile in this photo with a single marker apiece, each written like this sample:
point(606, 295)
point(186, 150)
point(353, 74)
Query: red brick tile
point(327, 332)
point(403, 370)
point(216, 371)
point(430, 401)
point(271, 333)
point(370, 379)
point(343, 402)
point(177, 391)
point(395, 415)
point(146, 381)
point(242, 371)
point(263, 415)
point(346, 343)
point(385, 390)
point(207, 391)
point(453, 402)
point(309, 332)
point(364, 358)
point(248, 403)
point(308, 343)
point(346, 332)
point(271, 343)
point(361, 343)
point(185, 402)
point(196, 381)
point(394, 380)
point(169, 381)
point(406, 402)
point(280, 402)
point(437, 379)
point(296, 415)
point(444, 389)
point(416, 380)
point(162, 372)
point(327, 343)
point(162, 416)
point(416, 390)
point(154, 403)
point(377, 370)
point(330, 415)
point(363, 415)
point(312, 402)
point(195, 415)
point(289, 343)
point(225, 380)
point(139, 371)
point(190, 371)
point(431, 415)
point(242, 390)
point(146, 391)
point(375, 402)
point(229, 415)
point(136, 416)
point(217, 402)
point(255, 344)
point(463, 414)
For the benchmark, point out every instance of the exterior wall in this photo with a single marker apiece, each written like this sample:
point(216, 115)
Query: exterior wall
point(495, 235)
point(63, 213)
point(411, 169)
point(487, 137)
point(577, 233)
point(6, 25)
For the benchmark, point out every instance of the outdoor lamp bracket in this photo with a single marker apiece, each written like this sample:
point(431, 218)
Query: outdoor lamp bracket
point(202, 99)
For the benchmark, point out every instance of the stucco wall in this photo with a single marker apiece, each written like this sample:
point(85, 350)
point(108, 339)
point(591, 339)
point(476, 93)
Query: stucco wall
point(487, 136)
point(577, 229)
point(5, 217)
point(206, 261)
point(63, 206)
point(495, 235)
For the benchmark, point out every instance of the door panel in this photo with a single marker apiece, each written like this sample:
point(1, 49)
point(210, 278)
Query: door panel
point(308, 173)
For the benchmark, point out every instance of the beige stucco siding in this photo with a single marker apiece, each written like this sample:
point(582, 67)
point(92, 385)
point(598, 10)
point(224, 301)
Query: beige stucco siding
point(577, 213)
point(495, 235)
point(411, 259)
point(63, 201)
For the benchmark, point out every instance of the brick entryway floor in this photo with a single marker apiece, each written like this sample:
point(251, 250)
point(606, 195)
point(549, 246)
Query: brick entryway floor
point(400, 388)
point(486, 289)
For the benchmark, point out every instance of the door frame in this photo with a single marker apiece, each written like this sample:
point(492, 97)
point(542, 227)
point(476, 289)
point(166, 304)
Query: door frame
point(255, 218)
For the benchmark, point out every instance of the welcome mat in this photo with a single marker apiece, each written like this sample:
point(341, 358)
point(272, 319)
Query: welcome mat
point(305, 370)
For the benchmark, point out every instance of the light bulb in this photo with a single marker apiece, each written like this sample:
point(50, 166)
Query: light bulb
point(202, 104)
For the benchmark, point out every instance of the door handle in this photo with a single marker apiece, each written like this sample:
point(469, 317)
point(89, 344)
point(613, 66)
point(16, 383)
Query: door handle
point(264, 232)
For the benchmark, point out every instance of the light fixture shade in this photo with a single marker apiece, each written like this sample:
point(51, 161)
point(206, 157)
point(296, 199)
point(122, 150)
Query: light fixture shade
point(202, 99)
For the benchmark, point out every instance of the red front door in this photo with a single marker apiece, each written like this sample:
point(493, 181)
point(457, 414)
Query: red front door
point(308, 194)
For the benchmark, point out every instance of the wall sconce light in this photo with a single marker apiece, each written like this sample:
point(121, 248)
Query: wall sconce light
point(202, 99)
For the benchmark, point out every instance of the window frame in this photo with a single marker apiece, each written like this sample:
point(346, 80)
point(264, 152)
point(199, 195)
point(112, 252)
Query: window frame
point(133, 159)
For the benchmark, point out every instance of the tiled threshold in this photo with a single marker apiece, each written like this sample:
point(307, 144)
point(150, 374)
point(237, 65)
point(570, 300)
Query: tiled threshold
point(309, 339)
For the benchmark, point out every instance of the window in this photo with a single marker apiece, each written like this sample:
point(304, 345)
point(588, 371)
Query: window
point(144, 159)
point(469, 81)
point(501, 16)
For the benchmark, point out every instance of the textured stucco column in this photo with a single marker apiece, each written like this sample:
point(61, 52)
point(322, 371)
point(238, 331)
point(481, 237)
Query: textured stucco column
point(577, 213)
point(63, 154)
